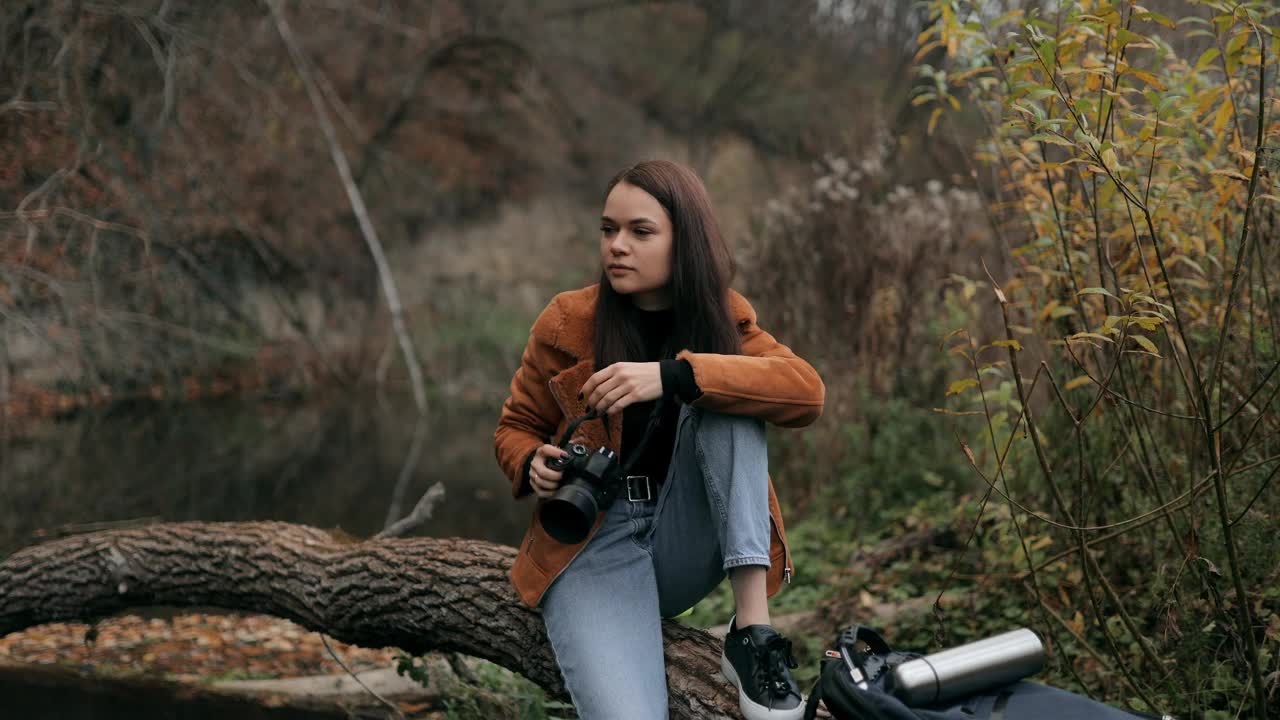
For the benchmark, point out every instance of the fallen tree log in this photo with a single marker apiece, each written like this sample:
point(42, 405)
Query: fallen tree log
point(416, 594)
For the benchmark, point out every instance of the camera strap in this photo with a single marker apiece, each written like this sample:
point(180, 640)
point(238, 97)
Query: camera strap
point(654, 418)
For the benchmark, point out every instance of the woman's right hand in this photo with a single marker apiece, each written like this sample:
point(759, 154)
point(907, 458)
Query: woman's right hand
point(543, 479)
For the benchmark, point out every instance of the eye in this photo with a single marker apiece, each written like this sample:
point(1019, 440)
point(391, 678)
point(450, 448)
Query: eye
point(607, 230)
point(643, 231)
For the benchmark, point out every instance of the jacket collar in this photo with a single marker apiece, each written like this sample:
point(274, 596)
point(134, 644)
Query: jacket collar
point(576, 333)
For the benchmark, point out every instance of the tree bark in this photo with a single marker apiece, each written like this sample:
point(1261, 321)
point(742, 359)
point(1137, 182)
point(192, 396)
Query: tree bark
point(417, 594)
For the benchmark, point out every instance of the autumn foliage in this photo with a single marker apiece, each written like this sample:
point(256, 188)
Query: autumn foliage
point(1124, 411)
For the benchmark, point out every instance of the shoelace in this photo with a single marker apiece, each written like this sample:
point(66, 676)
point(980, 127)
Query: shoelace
point(772, 663)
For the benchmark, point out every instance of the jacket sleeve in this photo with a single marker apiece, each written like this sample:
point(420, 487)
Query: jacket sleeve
point(767, 381)
point(530, 414)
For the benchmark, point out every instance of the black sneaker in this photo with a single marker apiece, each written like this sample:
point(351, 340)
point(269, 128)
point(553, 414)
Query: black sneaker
point(758, 661)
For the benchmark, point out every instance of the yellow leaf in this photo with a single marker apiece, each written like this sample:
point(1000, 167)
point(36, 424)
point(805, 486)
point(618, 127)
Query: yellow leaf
point(1229, 173)
point(924, 49)
point(1146, 344)
point(1156, 17)
point(1205, 100)
point(1237, 42)
point(933, 120)
point(1206, 57)
point(960, 77)
point(960, 386)
point(1084, 337)
point(1146, 323)
point(1014, 344)
point(1218, 240)
point(1076, 382)
point(1222, 118)
point(1146, 77)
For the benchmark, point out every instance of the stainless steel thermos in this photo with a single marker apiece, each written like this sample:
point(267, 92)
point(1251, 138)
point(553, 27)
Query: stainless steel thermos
point(970, 668)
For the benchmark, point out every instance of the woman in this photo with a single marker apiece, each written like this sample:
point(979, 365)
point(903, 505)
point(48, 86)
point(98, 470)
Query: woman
point(661, 326)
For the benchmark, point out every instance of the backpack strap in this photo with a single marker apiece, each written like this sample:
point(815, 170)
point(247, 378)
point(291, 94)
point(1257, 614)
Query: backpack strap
point(865, 650)
point(815, 695)
point(875, 643)
point(848, 672)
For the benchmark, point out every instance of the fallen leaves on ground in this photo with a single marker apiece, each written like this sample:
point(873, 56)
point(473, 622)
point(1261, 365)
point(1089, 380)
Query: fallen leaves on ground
point(192, 647)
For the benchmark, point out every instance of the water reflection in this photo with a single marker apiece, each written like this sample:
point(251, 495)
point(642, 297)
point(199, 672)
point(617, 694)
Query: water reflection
point(328, 461)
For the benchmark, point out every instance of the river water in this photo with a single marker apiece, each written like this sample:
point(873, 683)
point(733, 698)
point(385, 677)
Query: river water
point(330, 461)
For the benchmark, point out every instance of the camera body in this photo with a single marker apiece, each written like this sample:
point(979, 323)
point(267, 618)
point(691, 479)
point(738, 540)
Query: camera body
point(589, 485)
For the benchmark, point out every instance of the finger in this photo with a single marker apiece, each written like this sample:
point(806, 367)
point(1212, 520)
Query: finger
point(593, 382)
point(622, 404)
point(614, 396)
point(590, 384)
point(543, 486)
point(539, 465)
point(545, 468)
point(547, 453)
point(612, 387)
point(544, 475)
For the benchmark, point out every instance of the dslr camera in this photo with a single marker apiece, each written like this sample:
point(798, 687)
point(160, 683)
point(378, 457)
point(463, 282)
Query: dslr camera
point(590, 482)
point(589, 486)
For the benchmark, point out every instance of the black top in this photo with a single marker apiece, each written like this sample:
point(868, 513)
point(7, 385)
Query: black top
point(677, 383)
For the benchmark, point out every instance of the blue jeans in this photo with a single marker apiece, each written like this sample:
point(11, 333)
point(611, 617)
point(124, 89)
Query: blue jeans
point(652, 560)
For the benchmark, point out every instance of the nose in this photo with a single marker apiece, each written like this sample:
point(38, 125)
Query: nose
point(618, 245)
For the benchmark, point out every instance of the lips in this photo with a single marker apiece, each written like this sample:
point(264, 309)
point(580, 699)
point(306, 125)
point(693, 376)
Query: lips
point(620, 267)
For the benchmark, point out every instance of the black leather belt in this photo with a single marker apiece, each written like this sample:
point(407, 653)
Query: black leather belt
point(640, 488)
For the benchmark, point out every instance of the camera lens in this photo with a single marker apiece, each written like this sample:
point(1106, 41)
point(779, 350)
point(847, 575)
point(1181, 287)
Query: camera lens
point(569, 514)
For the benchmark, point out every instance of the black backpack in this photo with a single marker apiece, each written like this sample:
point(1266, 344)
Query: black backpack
point(848, 699)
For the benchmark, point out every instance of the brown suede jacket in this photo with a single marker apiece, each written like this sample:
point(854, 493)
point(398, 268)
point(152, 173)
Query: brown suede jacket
point(767, 381)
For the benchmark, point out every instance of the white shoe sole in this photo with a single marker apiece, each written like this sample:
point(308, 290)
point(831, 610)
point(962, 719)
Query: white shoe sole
point(752, 710)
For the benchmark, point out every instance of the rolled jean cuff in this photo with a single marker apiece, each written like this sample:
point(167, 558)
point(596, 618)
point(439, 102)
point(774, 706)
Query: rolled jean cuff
point(745, 560)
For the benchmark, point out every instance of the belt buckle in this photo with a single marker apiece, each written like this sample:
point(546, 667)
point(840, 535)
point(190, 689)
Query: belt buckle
point(632, 487)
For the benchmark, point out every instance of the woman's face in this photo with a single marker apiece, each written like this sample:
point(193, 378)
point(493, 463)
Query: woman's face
point(635, 246)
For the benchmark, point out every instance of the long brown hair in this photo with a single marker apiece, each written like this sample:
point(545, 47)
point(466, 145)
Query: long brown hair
point(701, 268)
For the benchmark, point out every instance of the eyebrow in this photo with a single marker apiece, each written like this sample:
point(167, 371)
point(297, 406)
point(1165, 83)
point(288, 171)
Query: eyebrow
point(636, 221)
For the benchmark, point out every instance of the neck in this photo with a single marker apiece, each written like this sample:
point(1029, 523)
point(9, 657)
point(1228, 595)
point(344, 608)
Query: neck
point(652, 299)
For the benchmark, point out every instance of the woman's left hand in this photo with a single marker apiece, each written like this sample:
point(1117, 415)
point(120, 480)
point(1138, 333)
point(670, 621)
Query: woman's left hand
point(621, 384)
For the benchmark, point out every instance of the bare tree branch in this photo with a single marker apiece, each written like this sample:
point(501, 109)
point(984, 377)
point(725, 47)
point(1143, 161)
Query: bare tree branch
point(386, 279)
